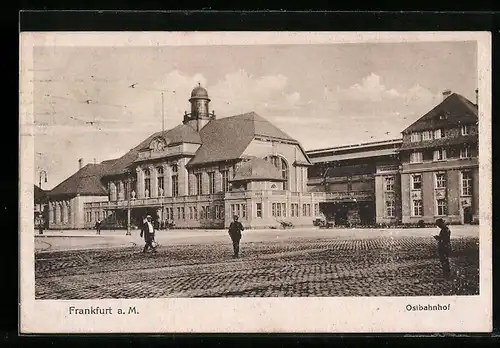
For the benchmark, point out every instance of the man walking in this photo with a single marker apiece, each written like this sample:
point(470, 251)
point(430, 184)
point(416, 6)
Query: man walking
point(235, 229)
point(444, 246)
point(148, 232)
point(98, 226)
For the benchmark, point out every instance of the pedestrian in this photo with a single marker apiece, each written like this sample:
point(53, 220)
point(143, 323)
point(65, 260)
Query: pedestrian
point(98, 226)
point(235, 229)
point(148, 231)
point(444, 246)
point(40, 224)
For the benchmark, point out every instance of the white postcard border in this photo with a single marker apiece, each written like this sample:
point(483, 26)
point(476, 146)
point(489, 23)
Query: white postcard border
point(316, 315)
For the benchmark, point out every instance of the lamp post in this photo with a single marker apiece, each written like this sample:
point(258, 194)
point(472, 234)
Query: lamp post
point(129, 179)
point(43, 174)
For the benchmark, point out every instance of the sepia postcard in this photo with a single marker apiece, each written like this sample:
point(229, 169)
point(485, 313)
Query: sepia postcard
point(198, 182)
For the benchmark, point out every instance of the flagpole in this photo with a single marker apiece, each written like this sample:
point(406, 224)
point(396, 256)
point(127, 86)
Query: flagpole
point(162, 114)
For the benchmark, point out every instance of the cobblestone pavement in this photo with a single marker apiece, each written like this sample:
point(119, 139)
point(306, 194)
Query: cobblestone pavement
point(383, 266)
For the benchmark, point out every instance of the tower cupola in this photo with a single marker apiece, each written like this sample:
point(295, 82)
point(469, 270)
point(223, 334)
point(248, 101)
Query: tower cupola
point(199, 107)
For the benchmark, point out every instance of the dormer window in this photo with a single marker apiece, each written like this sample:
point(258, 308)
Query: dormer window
point(427, 135)
point(439, 133)
point(465, 129)
point(415, 136)
point(443, 116)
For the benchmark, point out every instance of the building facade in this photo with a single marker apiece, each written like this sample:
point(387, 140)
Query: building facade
point(196, 175)
point(431, 172)
point(202, 172)
point(356, 180)
point(439, 164)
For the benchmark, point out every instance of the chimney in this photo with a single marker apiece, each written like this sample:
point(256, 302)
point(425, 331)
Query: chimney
point(446, 93)
point(477, 96)
point(80, 163)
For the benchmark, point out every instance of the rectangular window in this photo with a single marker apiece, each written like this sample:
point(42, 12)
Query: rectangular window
point(161, 186)
point(465, 129)
point(208, 212)
point(178, 213)
point(221, 212)
point(415, 136)
point(389, 183)
point(191, 213)
point(243, 211)
point(465, 152)
point(225, 180)
point(417, 207)
point(278, 209)
point(416, 183)
point(233, 210)
point(195, 213)
point(439, 133)
point(304, 210)
point(172, 213)
point(441, 207)
point(427, 135)
point(283, 209)
point(258, 209)
point(238, 210)
point(440, 155)
point(211, 182)
point(183, 213)
point(416, 157)
point(199, 184)
point(167, 214)
point(273, 209)
point(175, 186)
point(466, 183)
point(308, 210)
point(147, 188)
point(390, 208)
point(440, 180)
point(316, 209)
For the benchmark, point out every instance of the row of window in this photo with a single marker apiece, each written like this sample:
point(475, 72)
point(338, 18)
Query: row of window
point(437, 133)
point(240, 210)
point(279, 209)
point(440, 182)
point(92, 216)
point(439, 155)
point(206, 212)
point(417, 208)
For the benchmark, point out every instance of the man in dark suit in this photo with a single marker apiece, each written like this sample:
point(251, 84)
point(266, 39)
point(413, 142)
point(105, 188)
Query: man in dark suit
point(444, 246)
point(148, 231)
point(235, 229)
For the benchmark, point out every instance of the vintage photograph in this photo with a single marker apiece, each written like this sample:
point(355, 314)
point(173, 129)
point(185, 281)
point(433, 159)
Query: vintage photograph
point(342, 169)
point(328, 170)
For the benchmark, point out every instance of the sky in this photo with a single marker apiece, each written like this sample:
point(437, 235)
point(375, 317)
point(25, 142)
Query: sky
point(322, 95)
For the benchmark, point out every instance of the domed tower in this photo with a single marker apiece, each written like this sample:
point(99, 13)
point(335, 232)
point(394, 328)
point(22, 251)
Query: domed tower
point(199, 107)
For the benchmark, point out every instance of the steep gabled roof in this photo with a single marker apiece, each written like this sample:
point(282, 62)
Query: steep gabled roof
point(227, 138)
point(39, 194)
point(182, 133)
point(178, 134)
point(85, 182)
point(458, 110)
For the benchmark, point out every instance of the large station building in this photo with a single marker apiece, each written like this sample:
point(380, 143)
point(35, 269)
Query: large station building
point(202, 172)
point(197, 175)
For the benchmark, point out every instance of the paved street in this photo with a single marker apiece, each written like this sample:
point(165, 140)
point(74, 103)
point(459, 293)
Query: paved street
point(313, 262)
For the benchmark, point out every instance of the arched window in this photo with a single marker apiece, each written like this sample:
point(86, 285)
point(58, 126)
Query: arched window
point(147, 182)
point(161, 185)
point(281, 164)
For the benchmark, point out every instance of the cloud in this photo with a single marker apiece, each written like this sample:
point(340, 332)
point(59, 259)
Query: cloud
point(240, 92)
